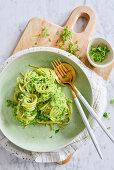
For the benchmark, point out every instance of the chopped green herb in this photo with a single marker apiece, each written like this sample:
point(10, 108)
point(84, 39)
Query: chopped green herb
point(79, 57)
point(49, 39)
point(50, 136)
point(62, 47)
point(33, 137)
point(61, 82)
point(64, 76)
point(10, 103)
point(73, 50)
point(108, 128)
point(105, 115)
point(58, 42)
point(70, 47)
point(77, 48)
point(58, 33)
point(98, 53)
point(35, 43)
point(66, 34)
point(46, 33)
point(57, 131)
point(76, 42)
point(112, 101)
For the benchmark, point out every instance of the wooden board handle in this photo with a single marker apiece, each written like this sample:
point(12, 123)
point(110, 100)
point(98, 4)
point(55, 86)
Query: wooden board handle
point(82, 11)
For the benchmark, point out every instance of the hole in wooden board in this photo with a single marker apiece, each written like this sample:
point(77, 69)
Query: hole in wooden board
point(81, 23)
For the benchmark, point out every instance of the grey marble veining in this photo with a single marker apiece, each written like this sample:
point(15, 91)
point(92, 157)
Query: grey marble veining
point(14, 16)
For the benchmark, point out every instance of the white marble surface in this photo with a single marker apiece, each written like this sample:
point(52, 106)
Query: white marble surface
point(14, 16)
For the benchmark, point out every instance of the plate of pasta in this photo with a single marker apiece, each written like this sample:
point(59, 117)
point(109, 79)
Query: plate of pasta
point(36, 113)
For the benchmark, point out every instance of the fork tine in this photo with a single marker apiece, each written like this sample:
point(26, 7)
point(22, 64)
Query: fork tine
point(64, 68)
point(53, 66)
point(59, 66)
point(56, 71)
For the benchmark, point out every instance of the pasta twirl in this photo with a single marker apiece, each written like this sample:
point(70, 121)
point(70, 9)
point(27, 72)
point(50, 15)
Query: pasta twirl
point(38, 99)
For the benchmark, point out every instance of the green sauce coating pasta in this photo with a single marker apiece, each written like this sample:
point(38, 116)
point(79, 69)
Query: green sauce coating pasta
point(38, 99)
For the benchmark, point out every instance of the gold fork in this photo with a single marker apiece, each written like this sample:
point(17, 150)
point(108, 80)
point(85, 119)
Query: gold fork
point(65, 76)
point(62, 72)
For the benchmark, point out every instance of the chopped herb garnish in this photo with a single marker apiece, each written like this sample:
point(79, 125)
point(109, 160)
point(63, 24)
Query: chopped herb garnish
point(10, 103)
point(64, 76)
point(76, 42)
point(35, 43)
point(70, 47)
point(33, 137)
point(105, 115)
point(58, 33)
point(108, 128)
point(66, 37)
point(78, 48)
point(79, 57)
point(49, 39)
point(98, 53)
point(50, 136)
point(62, 47)
point(58, 42)
point(57, 131)
point(66, 34)
point(73, 50)
point(46, 33)
point(61, 82)
point(112, 101)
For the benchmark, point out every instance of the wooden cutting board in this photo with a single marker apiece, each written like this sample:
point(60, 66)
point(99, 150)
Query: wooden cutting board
point(35, 25)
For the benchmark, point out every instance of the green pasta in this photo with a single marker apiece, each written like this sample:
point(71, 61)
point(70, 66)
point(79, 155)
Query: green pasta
point(38, 99)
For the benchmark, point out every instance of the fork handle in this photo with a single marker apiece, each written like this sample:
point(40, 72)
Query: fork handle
point(88, 126)
point(93, 114)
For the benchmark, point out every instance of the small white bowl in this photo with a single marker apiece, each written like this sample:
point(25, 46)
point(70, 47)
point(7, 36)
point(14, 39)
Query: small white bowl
point(109, 56)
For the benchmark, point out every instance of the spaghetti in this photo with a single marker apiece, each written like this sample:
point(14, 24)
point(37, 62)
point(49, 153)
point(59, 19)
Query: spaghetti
point(38, 99)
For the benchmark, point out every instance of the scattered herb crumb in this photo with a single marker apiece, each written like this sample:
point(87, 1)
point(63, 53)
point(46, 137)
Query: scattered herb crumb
point(33, 137)
point(58, 33)
point(35, 43)
point(108, 128)
point(10, 103)
point(112, 101)
point(46, 33)
point(70, 50)
point(57, 131)
point(61, 82)
point(50, 136)
point(62, 47)
point(105, 115)
point(58, 42)
point(64, 76)
point(76, 42)
point(49, 39)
